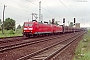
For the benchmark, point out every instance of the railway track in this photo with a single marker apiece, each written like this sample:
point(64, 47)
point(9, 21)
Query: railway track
point(16, 38)
point(10, 39)
point(48, 52)
point(13, 39)
point(26, 43)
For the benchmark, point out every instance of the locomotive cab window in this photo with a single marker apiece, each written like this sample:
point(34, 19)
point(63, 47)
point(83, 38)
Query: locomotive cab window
point(28, 25)
point(25, 24)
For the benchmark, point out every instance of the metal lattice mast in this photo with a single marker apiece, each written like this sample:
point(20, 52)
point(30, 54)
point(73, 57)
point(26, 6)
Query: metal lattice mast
point(40, 11)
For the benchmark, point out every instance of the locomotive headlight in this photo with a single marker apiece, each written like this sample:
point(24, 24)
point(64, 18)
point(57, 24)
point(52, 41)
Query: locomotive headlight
point(25, 28)
point(30, 28)
point(31, 31)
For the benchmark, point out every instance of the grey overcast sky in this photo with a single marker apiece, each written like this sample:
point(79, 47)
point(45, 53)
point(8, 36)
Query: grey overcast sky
point(21, 10)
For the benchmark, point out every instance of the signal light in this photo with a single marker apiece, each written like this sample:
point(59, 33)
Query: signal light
point(74, 20)
point(63, 20)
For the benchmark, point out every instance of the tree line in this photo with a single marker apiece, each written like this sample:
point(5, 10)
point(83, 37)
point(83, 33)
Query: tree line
point(9, 24)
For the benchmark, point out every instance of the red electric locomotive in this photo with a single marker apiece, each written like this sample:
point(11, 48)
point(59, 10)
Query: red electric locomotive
point(35, 28)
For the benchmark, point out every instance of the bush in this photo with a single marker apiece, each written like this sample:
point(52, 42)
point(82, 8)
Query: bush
point(11, 32)
point(0, 28)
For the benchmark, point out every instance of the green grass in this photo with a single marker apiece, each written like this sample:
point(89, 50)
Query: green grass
point(8, 33)
point(83, 49)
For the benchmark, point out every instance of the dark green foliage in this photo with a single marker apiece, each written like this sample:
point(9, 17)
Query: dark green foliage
point(56, 23)
point(9, 24)
point(0, 25)
point(0, 28)
point(19, 26)
point(71, 24)
point(0, 22)
point(11, 32)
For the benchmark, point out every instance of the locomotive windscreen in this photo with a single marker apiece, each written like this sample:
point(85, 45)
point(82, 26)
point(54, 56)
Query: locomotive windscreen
point(28, 24)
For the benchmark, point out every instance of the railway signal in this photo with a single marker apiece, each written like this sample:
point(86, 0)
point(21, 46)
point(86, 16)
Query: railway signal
point(63, 20)
point(63, 25)
point(74, 24)
point(53, 21)
point(74, 20)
